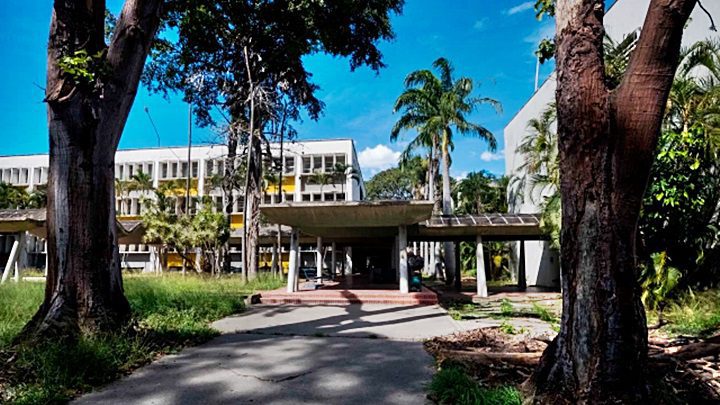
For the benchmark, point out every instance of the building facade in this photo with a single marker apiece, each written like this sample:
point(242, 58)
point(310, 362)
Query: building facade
point(624, 17)
point(313, 170)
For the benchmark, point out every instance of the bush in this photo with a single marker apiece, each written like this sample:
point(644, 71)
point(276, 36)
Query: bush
point(451, 385)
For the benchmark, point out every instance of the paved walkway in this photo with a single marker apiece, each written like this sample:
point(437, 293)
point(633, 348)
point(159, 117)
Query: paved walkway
point(351, 354)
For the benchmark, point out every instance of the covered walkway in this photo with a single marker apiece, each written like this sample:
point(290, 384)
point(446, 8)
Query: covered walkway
point(388, 228)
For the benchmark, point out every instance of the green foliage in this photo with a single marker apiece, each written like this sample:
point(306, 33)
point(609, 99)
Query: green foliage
point(451, 385)
point(506, 308)
point(437, 107)
point(389, 184)
point(206, 229)
point(84, 68)
point(213, 37)
point(544, 7)
point(12, 197)
point(694, 314)
point(658, 281)
point(544, 313)
point(170, 312)
point(545, 50)
point(481, 192)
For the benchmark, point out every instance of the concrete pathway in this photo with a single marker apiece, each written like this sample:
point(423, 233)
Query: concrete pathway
point(351, 354)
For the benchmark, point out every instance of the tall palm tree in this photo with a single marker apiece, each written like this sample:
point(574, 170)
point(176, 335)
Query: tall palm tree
point(437, 107)
point(480, 192)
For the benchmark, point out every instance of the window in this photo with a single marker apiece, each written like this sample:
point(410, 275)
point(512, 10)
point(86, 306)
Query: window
point(317, 197)
point(131, 169)
point(289, 197)
point(340, 197)
point(121, 172)
point(184, 166)
point(328, 164)
point(268, 199)
point(340, 159)
point(329, 196)
point(306, 197)
point(220, 167)
point(317, 163)
point(289, 165)
point(163, 170)
point(219, 204)
point(44, 175)
point(195, 169)
point(208, 168)
point(150, 170)
point(307, 164)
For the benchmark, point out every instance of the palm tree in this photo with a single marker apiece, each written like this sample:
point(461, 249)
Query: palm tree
point(437, 107)
point(321, 178)
point(140, 181)
point(341, 172)
point(416, 168)
point(481, 192)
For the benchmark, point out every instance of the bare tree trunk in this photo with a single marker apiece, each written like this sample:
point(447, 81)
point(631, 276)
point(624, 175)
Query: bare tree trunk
point(84, 290)
point(253, 197)
point(449, 247)
point(229, 186)
point(607, 145)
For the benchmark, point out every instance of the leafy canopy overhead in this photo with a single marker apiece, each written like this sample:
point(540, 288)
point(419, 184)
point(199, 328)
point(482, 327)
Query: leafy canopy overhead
point(207, 61)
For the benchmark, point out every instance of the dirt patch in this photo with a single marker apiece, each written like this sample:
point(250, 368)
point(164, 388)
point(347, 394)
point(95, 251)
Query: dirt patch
point(495, 358)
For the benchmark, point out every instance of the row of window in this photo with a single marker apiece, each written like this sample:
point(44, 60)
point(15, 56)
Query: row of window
point(24, 176)
point(322, 163)
point(133, 206)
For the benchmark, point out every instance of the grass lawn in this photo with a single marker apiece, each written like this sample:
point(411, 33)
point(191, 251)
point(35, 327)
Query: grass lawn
point(451, 385)
point(694, 314)
point(170, 312)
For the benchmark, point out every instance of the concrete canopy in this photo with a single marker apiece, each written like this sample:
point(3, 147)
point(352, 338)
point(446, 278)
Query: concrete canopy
point(348, 219)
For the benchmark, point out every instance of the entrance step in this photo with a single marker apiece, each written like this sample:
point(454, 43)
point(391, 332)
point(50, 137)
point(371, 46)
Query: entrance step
point(345, 297)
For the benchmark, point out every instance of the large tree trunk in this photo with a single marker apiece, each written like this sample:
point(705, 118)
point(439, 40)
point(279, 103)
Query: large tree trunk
point(84, 291)
point(606, 144)
point(254, 196)
point(449, 247)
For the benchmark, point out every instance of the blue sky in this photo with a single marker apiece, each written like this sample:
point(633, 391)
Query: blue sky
point(490, 41)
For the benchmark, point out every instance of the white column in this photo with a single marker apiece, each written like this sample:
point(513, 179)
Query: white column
point(333, 262)
point(293, 262)
point(319, 259)
point(298, 178)
point(395, 258)
point(402, 258)
point(348, 261)
point(201, 178)
point(480, 257)
point(10, 265)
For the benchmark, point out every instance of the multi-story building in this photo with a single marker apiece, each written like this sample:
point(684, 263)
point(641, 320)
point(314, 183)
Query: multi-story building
point(309, 173)
point(622, 18)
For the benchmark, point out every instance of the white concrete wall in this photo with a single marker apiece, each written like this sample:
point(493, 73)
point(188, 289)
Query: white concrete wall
point(622, 18)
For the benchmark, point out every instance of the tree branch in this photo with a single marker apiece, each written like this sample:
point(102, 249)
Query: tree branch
point(135, 30)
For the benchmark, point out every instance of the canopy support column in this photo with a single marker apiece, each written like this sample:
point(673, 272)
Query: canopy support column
point(319, 260)
point(522, 281)
point(293, 261)
point(480, 257)
point(402, 258)
point(333, 262)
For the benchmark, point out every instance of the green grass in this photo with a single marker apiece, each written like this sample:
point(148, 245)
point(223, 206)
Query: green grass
point(451, 385)
point(170, 312)
point(695, 314)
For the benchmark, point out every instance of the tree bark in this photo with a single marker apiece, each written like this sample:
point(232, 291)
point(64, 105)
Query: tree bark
point(86, 117)
point(253, 194)
point(607, 142)
point(449, 247)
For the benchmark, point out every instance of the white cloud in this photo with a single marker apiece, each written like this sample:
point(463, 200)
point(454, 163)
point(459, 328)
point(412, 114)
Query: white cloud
point(528, 5)
point(488, 156)
point(377, 158)
point(480, 24)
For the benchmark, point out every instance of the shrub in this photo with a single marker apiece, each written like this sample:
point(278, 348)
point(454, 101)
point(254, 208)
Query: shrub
point(452, 385)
